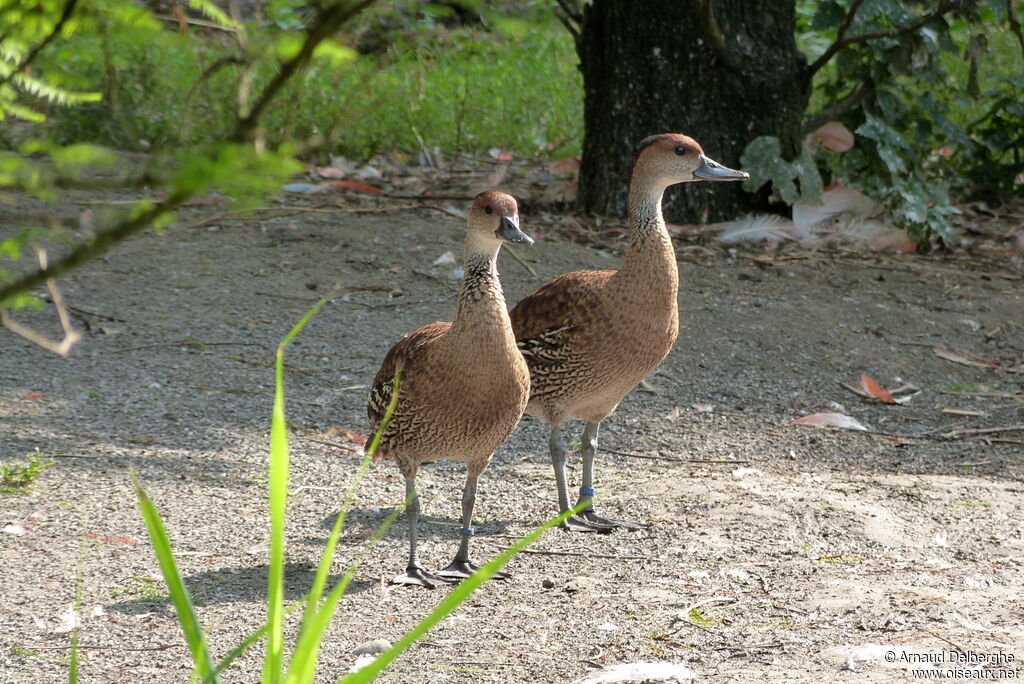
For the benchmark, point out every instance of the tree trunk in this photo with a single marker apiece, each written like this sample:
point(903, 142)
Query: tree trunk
point(722, 72)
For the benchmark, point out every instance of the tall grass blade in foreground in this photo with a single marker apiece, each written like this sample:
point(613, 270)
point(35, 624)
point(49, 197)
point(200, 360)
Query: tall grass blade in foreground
point(318, 609)
point(452, 601)
point(158, 539)
point(73, 656)
point(307, 650)
point(278, 504)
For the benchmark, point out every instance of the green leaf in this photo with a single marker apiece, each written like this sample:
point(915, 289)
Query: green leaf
point(830, 15)
point(11, 248)
point(337, 55)
point(762, 158)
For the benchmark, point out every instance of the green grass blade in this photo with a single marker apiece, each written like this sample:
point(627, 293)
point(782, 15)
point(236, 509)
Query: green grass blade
point(179, 594)
point(303, 665)
point(73, 656)
point(278, 503)
point(314, 621)
point(325, 561)
point(459, 594)
point(247, 643)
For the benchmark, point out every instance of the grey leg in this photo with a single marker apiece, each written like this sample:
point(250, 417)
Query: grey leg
point(587, 489)
point(462, 567)
point(414, 574)
point(558, 455)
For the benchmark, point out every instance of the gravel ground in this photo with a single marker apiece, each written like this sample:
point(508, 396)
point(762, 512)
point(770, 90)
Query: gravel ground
point(774, 553)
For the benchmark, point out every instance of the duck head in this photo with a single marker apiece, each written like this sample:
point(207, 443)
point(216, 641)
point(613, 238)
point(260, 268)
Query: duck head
point(672, 158)
point(495, 215)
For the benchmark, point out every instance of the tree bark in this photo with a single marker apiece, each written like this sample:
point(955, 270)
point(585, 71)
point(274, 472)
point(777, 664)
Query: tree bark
point(721, 72)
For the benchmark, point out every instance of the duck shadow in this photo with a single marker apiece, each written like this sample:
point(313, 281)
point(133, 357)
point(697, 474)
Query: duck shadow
point(361, 523)
point(240, 585)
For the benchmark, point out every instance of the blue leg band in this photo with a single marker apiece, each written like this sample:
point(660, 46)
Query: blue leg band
point(467, 531)
point(587, 491)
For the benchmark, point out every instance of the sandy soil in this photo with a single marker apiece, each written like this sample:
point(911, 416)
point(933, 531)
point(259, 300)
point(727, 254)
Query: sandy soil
point(774, 553)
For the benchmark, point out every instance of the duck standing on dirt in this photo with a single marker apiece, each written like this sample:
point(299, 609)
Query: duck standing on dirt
point(589, 337)
point(462, 385)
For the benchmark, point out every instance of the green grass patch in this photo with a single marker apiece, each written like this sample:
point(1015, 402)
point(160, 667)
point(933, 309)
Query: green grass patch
point(462, 89)
point(974, 504)
point(16, 476)
point(139, 588)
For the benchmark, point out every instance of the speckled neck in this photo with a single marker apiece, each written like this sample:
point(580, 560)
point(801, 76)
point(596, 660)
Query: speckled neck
point(480, 295)
point(650, 260)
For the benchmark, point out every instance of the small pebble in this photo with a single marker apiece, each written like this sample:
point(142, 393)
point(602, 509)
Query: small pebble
point(548, 583)
point(372, 647)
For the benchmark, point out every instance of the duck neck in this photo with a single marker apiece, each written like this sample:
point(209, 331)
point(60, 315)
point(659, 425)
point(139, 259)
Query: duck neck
point(650, 260)
point(480, 294)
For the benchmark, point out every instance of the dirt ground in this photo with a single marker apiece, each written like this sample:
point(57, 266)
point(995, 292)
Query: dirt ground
point(775, 552)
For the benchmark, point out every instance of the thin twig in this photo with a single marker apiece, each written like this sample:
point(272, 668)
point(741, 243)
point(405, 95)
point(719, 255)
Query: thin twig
point(197, 344)
point(120, 648)
point(674, 460)
point(196, 22)
point(333, 444)
point(71, 336)
point(577, 554)
point(843, 41)
point(951, 643)
point(521, 261)
point(988, 431)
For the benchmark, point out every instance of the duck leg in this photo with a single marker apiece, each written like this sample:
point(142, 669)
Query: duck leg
point(558, 456)
point(587, 489)
point(462, 567)
point(415, 574)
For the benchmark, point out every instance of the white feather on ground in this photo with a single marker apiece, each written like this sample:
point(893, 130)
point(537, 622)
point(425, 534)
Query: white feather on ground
point(843, 214)
point(640, 672)
point(755, 228)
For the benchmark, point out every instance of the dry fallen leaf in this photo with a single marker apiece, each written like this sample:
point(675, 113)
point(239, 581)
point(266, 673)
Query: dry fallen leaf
point(838, 420)
point(872, 387)
point(351, 185)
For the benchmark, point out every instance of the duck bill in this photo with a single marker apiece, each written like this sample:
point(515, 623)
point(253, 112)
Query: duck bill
point(509, 230)
point(709, 169)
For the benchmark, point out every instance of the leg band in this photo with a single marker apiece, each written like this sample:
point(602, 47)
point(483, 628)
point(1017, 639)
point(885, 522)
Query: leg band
point(587, 491)
point(467, 531)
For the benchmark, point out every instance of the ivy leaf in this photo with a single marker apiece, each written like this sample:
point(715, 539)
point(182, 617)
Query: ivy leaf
point(763, 160)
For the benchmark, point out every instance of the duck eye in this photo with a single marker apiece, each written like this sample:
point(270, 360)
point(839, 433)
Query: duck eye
point(488, 210)
point(681, 151)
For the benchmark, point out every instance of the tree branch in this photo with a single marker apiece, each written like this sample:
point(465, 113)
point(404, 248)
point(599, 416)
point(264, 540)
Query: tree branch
point(842, 41)
point(69, 9)
point(568, 13)
point(706, 10)
point(1011, 16)
point(99, 244)
point(330, 20)
point(839, 108)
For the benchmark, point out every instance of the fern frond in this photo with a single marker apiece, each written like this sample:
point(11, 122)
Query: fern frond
point(50, 92)
point(214, 13)
point(14, 109)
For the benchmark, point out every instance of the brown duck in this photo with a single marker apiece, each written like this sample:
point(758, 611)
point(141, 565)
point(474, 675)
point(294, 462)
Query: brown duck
point(589, 337)
point(463, 385)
